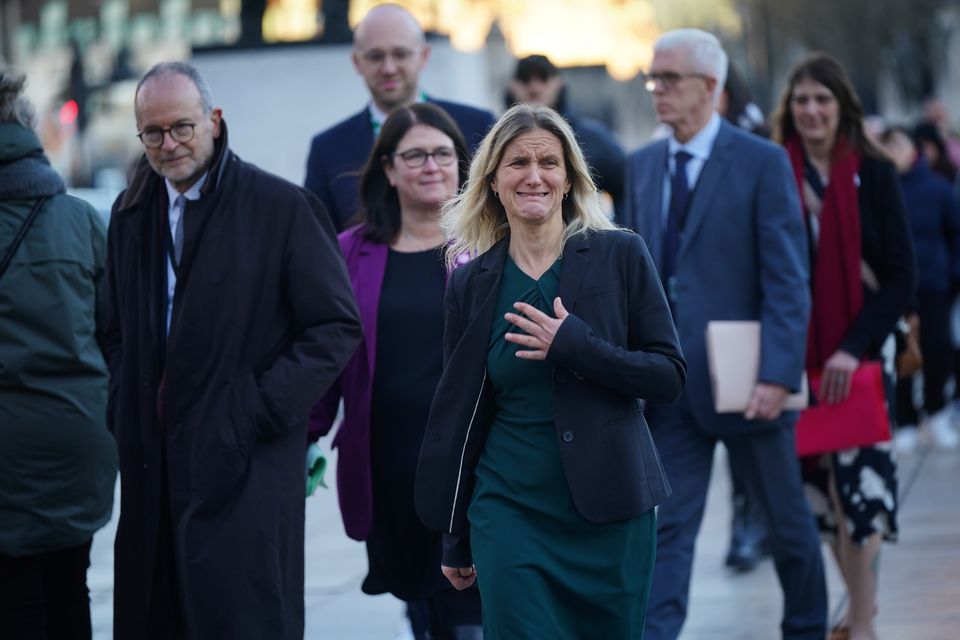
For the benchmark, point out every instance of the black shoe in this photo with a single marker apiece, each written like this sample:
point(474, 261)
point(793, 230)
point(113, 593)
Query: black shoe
point(744, 558)
point(748, 536)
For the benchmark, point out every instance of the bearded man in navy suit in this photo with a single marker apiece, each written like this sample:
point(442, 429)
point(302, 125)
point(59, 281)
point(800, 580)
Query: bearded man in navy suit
point(389, 52)
point(720, 213)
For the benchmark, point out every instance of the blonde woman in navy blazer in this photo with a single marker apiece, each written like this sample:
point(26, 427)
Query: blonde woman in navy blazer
point(537, 463)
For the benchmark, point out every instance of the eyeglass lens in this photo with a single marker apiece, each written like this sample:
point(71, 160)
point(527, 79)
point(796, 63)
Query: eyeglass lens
point(182, 132)
point(414, 158)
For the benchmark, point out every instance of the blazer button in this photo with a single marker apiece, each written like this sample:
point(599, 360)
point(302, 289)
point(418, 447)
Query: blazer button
point(568, 436)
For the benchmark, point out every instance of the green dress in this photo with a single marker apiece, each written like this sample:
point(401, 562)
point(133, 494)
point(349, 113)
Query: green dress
point(543, 570)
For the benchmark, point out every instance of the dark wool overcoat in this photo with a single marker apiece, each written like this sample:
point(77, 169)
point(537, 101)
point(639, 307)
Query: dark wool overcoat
point(263, 321)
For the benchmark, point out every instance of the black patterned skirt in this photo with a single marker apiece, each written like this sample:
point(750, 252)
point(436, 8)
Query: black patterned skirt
point(865, 477)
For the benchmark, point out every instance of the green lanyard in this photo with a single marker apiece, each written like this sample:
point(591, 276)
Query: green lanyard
point(376, 124)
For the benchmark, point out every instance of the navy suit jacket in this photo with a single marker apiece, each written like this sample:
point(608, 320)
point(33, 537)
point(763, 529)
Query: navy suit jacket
point(743, 256)
point(338, 155)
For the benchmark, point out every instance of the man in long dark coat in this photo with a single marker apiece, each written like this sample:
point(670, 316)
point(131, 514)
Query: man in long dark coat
point(230, 316)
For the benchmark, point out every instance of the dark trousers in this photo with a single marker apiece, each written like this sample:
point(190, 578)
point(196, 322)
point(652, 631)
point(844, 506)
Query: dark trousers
point(935, 345)
point(45, 596)
point(768, 464)
point(444, 612)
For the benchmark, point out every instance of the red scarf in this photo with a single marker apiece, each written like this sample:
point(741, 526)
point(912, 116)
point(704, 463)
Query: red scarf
point(837, 284)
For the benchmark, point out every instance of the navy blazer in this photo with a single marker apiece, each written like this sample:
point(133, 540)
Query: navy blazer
point(337, 156)
point(743, 256)
point(617, 346)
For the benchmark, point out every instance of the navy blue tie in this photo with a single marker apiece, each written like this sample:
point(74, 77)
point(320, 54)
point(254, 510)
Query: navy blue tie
point(676, 217)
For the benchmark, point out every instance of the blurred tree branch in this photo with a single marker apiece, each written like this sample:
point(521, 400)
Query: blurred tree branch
point(901, 37)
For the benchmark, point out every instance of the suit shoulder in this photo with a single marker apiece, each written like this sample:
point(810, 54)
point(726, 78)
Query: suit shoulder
point(882, 168)
point(620, 239)
point(462, 273)
point(457, 109)
point(648, 151)
point(752, 143)
point(595, 132)
point(351, 238)
point(345, 129)
point(263, 184)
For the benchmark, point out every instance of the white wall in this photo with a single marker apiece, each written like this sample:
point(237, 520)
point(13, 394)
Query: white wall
point(276, 100)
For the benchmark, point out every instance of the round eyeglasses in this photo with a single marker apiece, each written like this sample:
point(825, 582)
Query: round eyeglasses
point(668, 79)
point(152, 137)
point(416, 158)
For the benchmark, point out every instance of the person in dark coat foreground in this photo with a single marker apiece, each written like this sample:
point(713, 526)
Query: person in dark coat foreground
point(230, 314)
point(58, 462)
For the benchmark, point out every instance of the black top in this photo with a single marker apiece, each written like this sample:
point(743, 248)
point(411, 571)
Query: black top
point(403, 554)
point(887, 247)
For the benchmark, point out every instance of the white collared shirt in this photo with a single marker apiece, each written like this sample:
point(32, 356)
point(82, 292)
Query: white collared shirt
point(699, 148)
point(378, 115)
point(173, 215)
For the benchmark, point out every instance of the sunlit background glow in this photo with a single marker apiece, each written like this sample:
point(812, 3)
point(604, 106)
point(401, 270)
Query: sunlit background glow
point(617, 34)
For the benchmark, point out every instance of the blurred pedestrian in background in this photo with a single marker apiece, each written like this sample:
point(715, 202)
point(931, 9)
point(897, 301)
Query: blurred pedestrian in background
point(935, 112)
point(538, 81)
point(231, 314)
point(737, 107)
point(933, 148)
point(934, 217)
point(748, 527)
point(58, 462)
point(863, 277)
point(719, 210)
point(389, 52)
point(537, 463)
point(394, 256)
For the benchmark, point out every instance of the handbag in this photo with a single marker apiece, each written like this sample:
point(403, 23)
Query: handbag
point(860, 420)
point(909, 358)
point(21, 234)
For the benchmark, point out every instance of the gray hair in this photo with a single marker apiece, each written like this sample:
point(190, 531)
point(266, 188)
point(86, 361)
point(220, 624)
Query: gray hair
point(183, 69)
point(704, 52)
point(14, 108)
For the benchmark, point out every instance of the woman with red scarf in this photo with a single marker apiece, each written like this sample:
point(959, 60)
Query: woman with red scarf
point(862, 278)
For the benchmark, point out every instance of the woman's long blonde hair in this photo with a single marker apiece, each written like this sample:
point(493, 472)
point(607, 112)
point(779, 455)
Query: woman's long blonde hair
point(475, 220)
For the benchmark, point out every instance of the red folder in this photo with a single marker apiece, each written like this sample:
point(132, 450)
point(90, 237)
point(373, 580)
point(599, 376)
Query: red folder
point(860, 420)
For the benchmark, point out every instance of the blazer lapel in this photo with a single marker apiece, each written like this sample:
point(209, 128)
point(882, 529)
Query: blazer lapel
point(710, 179)
point(371, 266)
point(363, 130)
point(648, 204)
point(576, 258)
point(485, 286)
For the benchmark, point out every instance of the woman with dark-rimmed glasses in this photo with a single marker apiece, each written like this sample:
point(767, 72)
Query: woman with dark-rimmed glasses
point(394, 254)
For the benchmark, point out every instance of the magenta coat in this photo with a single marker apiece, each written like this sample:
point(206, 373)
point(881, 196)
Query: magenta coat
point(366, 264)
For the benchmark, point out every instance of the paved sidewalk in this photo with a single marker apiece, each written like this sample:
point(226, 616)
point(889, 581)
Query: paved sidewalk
point(919, 576)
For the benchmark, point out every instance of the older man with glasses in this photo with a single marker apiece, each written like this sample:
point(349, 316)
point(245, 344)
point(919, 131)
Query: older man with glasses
point(389, 52)
point(719, 210)
point(229, 315)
